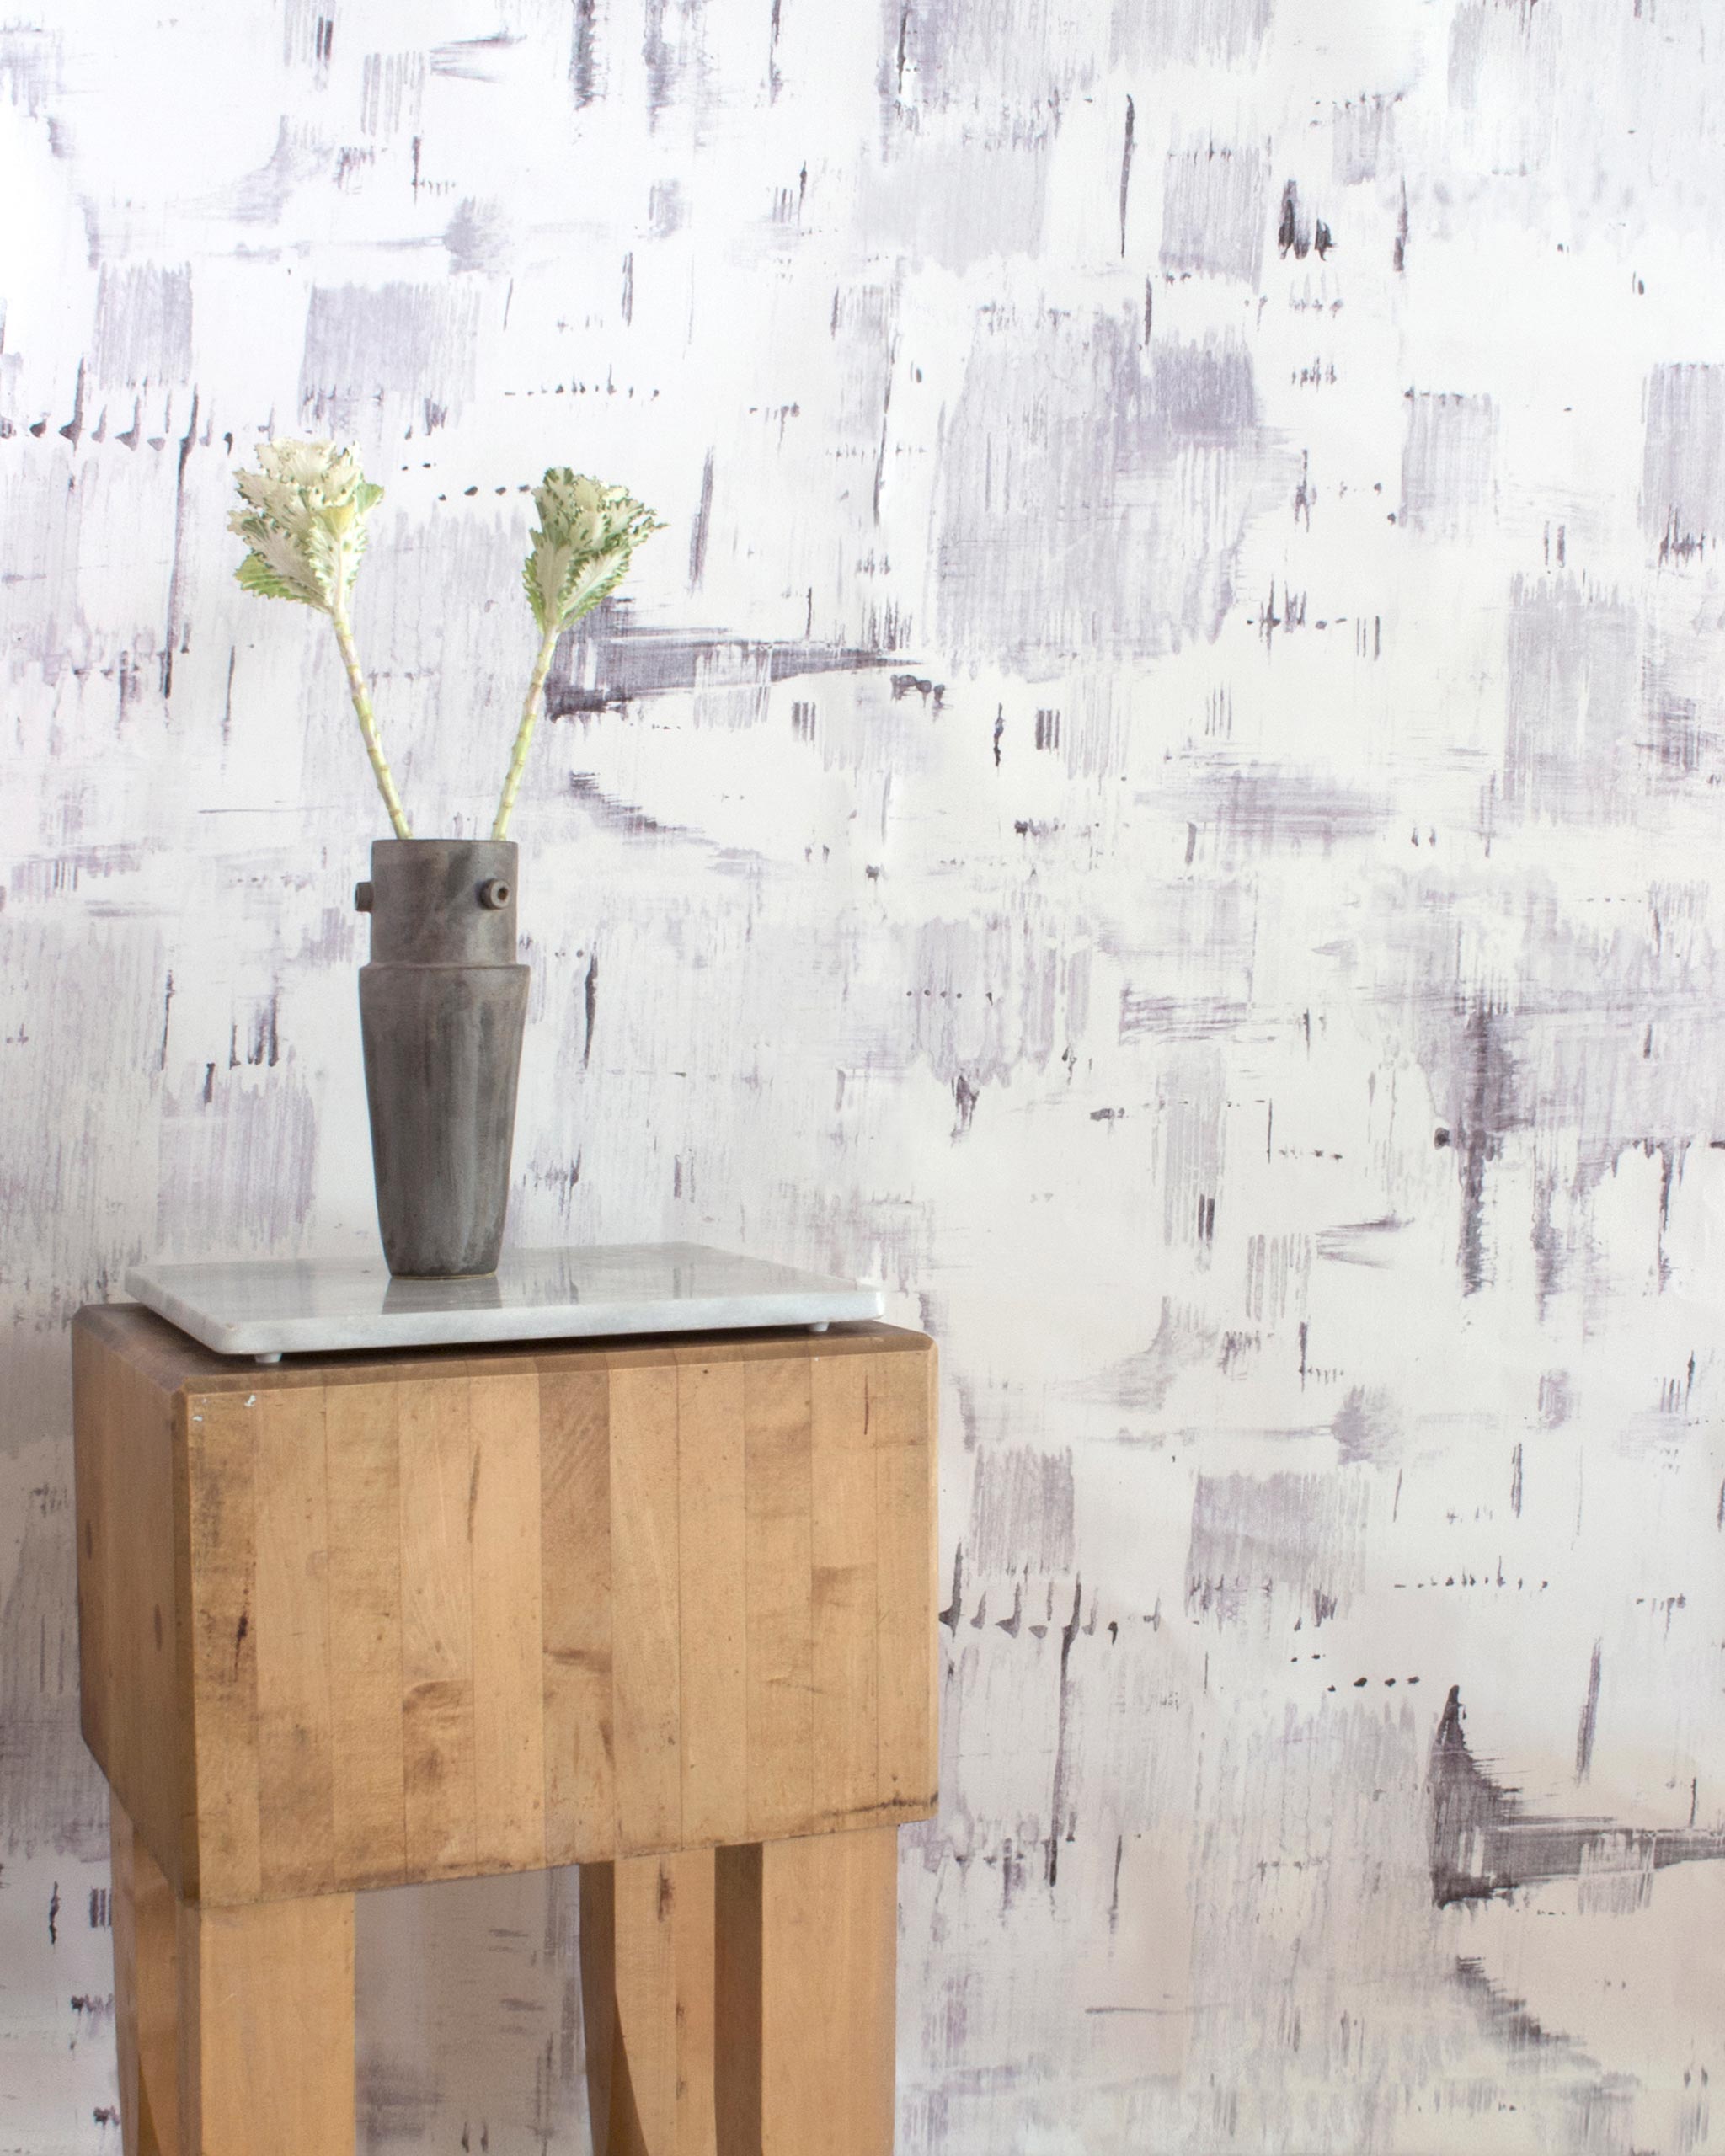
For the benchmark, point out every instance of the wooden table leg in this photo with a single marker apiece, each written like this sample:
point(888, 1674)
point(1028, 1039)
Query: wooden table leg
point(647, 1971)
point(744, 2002)
point(266, 2016)
point(807, 1936)
point(235, 2026)
point(145, 1994)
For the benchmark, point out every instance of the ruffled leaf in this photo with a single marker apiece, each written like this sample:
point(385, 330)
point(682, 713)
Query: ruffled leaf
point(303, 522)
point(586, 537)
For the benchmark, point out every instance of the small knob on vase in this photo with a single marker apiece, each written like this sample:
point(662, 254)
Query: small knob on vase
point(362, 898)
point(494, 894)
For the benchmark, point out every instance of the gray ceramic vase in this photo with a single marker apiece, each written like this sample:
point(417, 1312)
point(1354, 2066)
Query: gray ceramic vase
point(442, 1007)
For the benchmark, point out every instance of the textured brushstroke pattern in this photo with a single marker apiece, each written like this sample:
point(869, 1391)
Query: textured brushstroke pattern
point(1161, 796)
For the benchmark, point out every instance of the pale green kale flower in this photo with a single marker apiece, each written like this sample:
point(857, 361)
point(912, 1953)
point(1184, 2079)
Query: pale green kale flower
point(304, 520)
point(580, 553)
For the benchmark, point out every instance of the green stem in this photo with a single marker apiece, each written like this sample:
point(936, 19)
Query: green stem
point(524, 732)
point(368, 725)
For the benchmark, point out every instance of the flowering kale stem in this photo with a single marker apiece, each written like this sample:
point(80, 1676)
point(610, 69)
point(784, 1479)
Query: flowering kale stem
point(368, 725)
point(524, 732)
point(579, 554)
point(303, 514)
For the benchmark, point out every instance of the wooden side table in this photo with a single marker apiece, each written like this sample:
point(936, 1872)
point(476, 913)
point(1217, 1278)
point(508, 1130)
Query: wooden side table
point(663, 1611)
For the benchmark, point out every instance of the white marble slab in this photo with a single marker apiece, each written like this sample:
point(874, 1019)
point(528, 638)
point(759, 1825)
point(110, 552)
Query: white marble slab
point(269, 1308)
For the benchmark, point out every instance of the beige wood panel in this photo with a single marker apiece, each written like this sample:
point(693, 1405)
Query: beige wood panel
point(713, 1575)
point(693, 1952)
point(805, 1956)
point(266, 2005)
point(779, 1564)
point(156, 1990)
point(222, 1541)
point(903, 1416)
point(644, 2085)
point(291, 1617)
point(509, 1702)
point(437, 1464)
point(362, 1452)
point(145, 1994)
point(647, 1978)
point(845, 1544)
point(646, 1609)
point(128, 1602)
point(575, 1440)
point(828, 2006)
point(122, 1916)
point(531, 1609)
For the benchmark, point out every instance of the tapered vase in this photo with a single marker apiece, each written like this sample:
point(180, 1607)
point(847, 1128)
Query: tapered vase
point(443, 1005)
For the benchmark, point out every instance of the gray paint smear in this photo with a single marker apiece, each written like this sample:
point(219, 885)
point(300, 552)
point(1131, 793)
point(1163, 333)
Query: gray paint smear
point(1487, 1839)
point(301, 156)
point(143, 326)
point(30, 61)
point(51, 1795)
point(361, 339)
point(480, 236)
point(610, 659)
point(475, 59)
point(307, 39)
point(1054, 412)
point(242, 1153)
point(1251, 809)
point(81, 996)
point(584, 67)
point(1683, 465)
point(978, 198)
point(391, 90)
point(1362, 132)
point(672, 45)
point(1293, 1543)
point(1587, 1729)
point(1448, 462)
point(1190, 33)
point(1572, 674)
point(1367, 1425)
point(987, 998)
point(939, 54)
point(1020, 1514)
point(1504, 58)
point(1215, 209)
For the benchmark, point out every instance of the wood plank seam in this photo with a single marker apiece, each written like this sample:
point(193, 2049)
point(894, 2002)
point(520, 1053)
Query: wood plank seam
point(713, 1575)
point(647, 1619)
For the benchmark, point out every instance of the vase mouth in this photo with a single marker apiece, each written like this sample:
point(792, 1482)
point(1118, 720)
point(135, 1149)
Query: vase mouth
point(400, 845)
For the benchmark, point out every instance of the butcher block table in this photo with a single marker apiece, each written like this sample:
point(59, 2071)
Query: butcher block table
point(663, 1608)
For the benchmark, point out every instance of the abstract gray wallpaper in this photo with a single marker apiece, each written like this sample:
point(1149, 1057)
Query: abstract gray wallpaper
point(1160, 795)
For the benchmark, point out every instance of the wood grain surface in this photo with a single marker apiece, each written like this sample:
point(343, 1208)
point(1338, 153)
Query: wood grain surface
point(357, 1620)
point(146, 1995)
point(806, 1956)
point(266, 2007)
point(647, 1973)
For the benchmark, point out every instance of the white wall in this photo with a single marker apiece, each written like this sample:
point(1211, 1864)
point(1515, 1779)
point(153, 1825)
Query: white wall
point(1159, 795)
